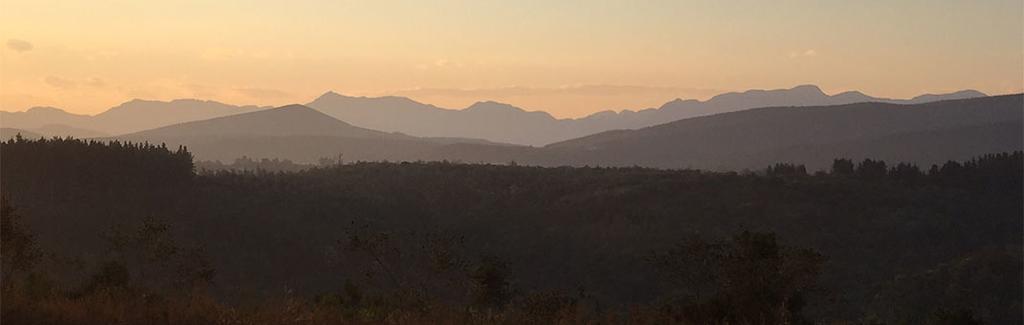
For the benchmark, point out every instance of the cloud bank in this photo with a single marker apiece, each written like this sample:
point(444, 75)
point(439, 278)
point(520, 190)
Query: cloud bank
point(18, 45)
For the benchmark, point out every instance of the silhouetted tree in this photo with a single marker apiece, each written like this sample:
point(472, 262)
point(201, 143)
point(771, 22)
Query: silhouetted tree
point(784, 169)
point(872, 169)
point(842, 167)
point(906, 173)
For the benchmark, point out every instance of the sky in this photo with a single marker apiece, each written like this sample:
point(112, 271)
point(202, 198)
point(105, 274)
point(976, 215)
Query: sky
point(569, 58)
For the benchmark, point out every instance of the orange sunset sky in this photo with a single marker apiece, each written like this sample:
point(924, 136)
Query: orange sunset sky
point(569, 58)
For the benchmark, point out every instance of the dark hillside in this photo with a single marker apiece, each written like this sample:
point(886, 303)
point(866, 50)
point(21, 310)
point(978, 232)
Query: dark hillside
point(590, 233)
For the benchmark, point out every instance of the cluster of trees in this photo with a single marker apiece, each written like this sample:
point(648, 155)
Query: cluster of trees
point(995, 168)
point(245, 163)
point(263, 165)
point(92, 184)
point(865, 242)
point(58, 169)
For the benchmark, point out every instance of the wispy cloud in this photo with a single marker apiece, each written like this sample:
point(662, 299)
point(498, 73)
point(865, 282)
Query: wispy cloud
point(804, 53)
point(95, 82)
point(220, 54)
point(71, 83)
point(60, 83)
point(18, 45)
point(441, 63)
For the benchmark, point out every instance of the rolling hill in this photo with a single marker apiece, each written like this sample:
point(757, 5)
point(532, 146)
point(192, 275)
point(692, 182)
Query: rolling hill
point(282, 121)
point(294, 132)
point(922, 133)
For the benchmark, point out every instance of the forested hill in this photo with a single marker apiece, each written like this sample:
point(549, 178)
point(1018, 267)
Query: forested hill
point(368, 242)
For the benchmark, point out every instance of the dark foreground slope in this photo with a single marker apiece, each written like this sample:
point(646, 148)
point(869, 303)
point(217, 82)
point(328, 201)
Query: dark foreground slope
point(896, 244)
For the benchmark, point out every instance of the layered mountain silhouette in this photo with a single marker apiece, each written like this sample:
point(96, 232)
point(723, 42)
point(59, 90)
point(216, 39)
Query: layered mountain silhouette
point(929, 133)
point(10, 133)
point(293, 132)
point(132, 116)
point(61, 130)
point(505, 123)
point(923, 133)
point(282, 121)
point(727, 132)
point(483, 120)
point(139, 115)
point(486, 120)
point(56, 130)
point(805, 95)
point(38, 117)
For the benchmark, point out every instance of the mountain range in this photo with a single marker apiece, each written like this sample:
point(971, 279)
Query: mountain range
point(925, 134)
point(491, 121)
point(732, 131)
point(929, 133)
point(294, 132)
point(132, 116)
point(506, 123)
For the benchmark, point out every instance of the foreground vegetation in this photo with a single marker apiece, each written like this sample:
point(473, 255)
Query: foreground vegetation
point(129, 233)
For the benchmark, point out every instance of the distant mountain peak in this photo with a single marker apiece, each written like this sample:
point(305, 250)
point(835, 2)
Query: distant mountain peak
point(138, 101)
point(853, 96)
point(678, 102)
point(808, 88)
point(493, 106)
point(330, 94)
point(45, 109)
point(851, 93)
point(135, 102)
point(288, 120)
point(291, 111)
point(333, 99)
point(803, 91)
